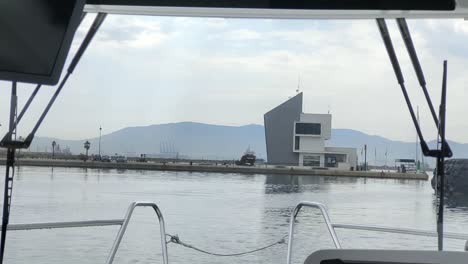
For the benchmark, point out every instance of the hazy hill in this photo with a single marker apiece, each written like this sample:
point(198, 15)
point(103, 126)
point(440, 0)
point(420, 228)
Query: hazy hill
point(198, 140)
point(379, 145)
point(195, 140)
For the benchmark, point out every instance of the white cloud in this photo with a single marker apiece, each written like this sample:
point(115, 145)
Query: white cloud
point(182, 69)
point(461, 26)
point(143, 39)
point(242, 34)
point(125, 32)
point(192, 22)
point(217, 23)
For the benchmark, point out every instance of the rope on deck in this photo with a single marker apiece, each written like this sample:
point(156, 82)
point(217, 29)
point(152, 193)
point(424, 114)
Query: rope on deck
point(176, 240)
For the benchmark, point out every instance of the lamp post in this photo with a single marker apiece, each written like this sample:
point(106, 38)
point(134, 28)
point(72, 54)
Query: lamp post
point(365, 157)
point(100, 130)
point(86, 146)
point(53, 149)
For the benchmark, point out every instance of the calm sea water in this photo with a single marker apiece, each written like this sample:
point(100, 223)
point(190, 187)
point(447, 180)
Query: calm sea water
point(223, 213)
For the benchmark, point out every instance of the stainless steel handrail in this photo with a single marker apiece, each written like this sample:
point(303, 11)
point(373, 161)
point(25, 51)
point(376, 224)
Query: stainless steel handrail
point(124, 226)
point(53, 225)
point(323, 210)
point(406, 231)
point(331, 228)
point(122, 222)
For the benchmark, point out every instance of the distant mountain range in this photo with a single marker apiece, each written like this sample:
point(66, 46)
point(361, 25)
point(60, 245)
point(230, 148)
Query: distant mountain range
point(193, 140)
point(377, 146)
point(197, 140)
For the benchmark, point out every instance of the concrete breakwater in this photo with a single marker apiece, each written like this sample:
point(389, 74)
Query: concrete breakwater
point(260, 169)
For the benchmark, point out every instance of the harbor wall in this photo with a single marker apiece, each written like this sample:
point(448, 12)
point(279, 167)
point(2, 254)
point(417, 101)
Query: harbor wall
point(260, 169)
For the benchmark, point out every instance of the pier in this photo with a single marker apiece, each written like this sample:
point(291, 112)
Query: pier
point(218, 168)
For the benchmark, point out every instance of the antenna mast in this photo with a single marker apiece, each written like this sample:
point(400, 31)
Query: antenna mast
point(298, 84)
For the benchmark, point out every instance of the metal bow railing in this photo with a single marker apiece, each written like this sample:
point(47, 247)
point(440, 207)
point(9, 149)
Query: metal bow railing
point(332, 227)
point(123, 223)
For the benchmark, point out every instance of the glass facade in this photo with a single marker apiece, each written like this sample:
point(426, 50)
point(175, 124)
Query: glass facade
point(309, 129)
point(297, 142)
point(332, 160)
point(311, 160)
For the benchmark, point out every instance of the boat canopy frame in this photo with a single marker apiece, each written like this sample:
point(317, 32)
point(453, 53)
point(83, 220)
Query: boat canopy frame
point(170, 8)
point(11, 143)
point(443, 149)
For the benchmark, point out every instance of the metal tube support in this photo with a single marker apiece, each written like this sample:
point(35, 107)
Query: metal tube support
point(98, 20)
point(28, 103)
point(36, 90)
point(405, 231)
point(440, 160)
point(9, 172)
point(29, 139)
point(124, 226)
point(440, 122)
point(73, 224)
point(84, 45)
point(399, 75)
point(324, 211)
point(406, 35)
point(49, 105)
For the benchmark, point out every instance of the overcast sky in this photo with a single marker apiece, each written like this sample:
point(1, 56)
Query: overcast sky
point(150, 70)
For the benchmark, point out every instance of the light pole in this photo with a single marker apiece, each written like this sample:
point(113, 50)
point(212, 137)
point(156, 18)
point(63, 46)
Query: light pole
point(53, 149)
point(365, 157)
point(86, 146)
point(100, 130)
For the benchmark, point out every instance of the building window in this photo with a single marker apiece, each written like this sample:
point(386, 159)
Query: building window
point(311, 160)
point(332, 160)
point(309, 129)
point(297, 141)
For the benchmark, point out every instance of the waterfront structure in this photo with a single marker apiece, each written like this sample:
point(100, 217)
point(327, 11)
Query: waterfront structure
point(299, 139)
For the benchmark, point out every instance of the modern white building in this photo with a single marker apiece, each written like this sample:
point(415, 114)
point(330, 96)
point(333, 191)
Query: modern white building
point(299, 139)
point(310, 135)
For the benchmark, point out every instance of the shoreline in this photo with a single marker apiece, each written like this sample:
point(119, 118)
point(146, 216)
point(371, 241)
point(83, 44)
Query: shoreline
point(211, 168)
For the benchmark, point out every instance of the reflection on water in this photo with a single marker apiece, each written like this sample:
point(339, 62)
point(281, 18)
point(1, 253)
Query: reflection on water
point(459, 202)
point(286, 184)
point(219, 212)
point(294, 183)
